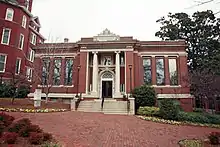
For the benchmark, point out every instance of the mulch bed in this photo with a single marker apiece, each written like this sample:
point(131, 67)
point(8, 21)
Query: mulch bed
point(29, 104)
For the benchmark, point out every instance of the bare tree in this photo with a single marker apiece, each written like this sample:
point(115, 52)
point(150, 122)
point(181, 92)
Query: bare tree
point(47, 71)
point(204, 2)
point(205, 86)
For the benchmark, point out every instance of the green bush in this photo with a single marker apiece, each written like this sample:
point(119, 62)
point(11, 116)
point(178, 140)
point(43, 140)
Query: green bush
point(22, 91)
point(199, 117)
point(144, 96)
point(168, 109)
point(200, 110)
point(9, 91)
point(148, 111)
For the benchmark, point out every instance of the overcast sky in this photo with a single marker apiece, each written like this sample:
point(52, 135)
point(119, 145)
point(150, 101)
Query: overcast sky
point(86, 18)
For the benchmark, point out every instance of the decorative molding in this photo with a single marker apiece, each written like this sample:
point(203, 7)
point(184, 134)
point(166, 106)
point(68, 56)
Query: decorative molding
point(163, 53)
point(106, 35)
point(163, 45)
point(166, 86)
point(72, 55)
point(105, 50)
point(176, 96)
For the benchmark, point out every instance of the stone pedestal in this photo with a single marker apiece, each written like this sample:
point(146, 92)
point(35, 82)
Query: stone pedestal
point(37, 98)
point(73, 105)
point(132, 106)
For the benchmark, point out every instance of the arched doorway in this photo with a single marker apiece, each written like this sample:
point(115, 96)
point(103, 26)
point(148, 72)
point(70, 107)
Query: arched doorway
point(106, 89)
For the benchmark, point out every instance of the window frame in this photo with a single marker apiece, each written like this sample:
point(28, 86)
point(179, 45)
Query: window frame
point(33, 38)
point(19, 66)
point(150, 59)
point(24, 22)
point(8, 10)
point(5, 62)
point(29, 73)
point(3, 34)
point(177, 71)
point(21, 46)
point(164, 76)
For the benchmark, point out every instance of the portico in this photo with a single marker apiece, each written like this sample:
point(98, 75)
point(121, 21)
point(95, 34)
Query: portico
point(105, 75)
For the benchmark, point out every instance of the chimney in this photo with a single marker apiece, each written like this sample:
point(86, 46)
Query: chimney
point(66, 40)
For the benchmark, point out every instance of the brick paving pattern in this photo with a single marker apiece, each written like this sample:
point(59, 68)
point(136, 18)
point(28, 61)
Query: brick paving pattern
point(77, 129)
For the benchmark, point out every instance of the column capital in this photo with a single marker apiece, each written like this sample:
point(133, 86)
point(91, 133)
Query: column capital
point(117, 52)
point(95, 52)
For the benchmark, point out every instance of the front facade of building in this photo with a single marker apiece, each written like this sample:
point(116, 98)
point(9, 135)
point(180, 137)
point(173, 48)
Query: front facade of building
point(19, 33)
point(110, 66)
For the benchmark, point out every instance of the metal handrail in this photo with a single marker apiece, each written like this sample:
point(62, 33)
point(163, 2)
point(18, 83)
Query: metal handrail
point(78, 101)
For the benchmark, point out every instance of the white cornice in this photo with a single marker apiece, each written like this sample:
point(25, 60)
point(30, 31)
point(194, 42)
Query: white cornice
point(163, 45)
point(69, 55)
point(163, 53)
point(105, 50)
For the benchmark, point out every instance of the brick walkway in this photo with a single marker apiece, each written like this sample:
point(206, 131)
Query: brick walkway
point(75, 129)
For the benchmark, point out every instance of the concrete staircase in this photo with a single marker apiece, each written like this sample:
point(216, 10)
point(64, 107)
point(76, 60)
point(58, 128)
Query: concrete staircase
point(111, 106)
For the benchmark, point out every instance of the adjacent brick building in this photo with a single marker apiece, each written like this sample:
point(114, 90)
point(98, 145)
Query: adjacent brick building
point(109, 66)
point(19, 33)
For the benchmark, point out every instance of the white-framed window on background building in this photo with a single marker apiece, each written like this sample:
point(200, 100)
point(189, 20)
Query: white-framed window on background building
point(68, 71)
point(9, 14)
point(6, 36)
point(160, 73)
point(24, 21)
point(33, 38)
point(31, 55)
point(147, 71)
point(3, 59)
point(173, 71)
point(18, 66)
point(21, 41)
point(29, 73)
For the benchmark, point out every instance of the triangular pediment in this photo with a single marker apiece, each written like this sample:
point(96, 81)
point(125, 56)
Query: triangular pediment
point(106, 35)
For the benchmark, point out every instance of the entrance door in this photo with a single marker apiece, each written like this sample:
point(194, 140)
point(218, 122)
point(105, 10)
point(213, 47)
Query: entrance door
point(107, 89)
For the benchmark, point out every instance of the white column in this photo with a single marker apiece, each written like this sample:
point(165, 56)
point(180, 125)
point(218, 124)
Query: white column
point(95, 74)
point(117, 75)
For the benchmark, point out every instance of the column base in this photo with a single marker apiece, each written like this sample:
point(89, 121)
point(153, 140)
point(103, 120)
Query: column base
point(94, 94)
point(118, 95)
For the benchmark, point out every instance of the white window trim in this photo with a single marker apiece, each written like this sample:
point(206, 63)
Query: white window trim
point(9, 35)
point(22, 43)
point(19, 66)
point(5, 63)
point(29, 73)
point(31, 55)
point(6, 14)
point(33, 38)
point(24, 21)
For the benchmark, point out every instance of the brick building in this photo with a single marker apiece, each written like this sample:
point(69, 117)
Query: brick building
point(109, 66)
point(19, 33)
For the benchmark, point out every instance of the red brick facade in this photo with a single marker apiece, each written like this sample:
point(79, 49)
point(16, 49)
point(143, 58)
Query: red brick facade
point(11, 51)
point(132, 54)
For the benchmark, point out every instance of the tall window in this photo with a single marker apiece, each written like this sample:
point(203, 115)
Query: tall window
point(9, 14)
point(18, 66)
point(68, 71)
point(21, 41)
point(160, 71)
point(24, 21)
point(31, 55)
point(33, 38)
point(57, 72)
point(147, 70)
point(2, 62)
point(29, 73)
point(6, 36)
point(45, 71)
point(173, 71)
